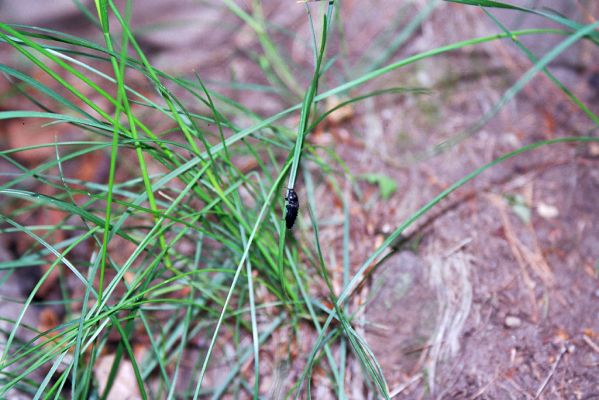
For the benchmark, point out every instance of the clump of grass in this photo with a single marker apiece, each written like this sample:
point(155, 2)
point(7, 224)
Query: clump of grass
point(207, 257)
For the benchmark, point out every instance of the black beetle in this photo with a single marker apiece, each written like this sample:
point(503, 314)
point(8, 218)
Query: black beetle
point(292, 208)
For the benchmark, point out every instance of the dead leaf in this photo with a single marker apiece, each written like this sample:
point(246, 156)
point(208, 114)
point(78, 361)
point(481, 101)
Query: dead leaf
point(47, 319)
point(342, 114)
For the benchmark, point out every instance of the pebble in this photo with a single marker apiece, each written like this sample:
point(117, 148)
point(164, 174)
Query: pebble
point(512, 322)
point(547, 211)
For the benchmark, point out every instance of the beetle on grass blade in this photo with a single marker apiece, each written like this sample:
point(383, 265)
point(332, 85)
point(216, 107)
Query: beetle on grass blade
point(292, 208)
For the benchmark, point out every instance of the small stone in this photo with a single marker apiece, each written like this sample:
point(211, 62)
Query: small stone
point(387, 229)
point(594, 149)
point(547, 211)
point(512, 322)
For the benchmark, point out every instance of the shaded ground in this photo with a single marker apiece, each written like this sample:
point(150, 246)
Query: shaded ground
point(497, 295)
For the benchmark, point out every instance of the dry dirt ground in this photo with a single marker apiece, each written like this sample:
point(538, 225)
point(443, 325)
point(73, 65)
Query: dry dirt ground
point(496, 295)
